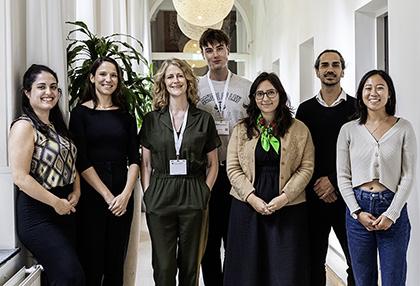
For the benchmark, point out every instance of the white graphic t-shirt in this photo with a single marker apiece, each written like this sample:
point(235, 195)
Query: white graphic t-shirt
point(233, 110)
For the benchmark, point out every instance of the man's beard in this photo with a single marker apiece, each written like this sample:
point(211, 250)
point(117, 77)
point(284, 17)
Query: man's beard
point(329, 84)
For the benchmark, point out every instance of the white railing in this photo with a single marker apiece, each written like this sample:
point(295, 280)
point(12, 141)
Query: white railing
point(26, 277)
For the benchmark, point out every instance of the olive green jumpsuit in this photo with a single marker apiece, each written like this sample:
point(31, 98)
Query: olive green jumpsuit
point(176, 205)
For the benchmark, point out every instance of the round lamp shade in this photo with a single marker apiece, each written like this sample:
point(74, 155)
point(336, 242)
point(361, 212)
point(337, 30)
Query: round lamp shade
point(192, 46)
point(203, 12)
point(192, 31)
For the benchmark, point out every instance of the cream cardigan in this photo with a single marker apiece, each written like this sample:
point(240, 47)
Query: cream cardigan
point(391, 160)
point(296, 162)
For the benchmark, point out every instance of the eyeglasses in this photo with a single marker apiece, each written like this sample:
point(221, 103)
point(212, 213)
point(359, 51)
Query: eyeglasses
point(271, 93)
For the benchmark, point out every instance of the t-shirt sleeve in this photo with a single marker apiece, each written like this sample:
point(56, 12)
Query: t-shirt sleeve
point(213, 140)
point(78, 132)
point(133, 142)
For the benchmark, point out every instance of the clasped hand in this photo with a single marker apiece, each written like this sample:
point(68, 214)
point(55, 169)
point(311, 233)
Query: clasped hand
point(264, 208)
point(118, 205)
point(63, 207)
point(325, 190)
point(371, 223)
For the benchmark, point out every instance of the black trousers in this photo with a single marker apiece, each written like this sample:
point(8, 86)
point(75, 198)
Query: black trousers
point(50, 237)
point(103, 237)
point(219, 209)
point(322, 217)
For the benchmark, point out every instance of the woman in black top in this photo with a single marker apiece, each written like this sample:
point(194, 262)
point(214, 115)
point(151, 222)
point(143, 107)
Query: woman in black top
point(108, 160)
point(177, 178)
point(42, 159)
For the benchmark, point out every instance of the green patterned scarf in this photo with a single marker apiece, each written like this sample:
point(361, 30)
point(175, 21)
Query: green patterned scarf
point(267, 136)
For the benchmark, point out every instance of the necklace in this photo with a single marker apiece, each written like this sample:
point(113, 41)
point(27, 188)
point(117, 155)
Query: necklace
point(377, 127)
point(105, 107)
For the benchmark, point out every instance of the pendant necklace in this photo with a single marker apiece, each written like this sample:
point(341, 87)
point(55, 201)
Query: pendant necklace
point(377, 127)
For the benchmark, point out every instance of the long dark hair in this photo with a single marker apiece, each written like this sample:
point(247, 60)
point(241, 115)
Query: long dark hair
point(117, 97)
point(55, 115)
point(362, 112)
point(283, 116)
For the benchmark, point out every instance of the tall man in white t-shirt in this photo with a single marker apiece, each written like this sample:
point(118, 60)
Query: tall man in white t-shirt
point(222, 94)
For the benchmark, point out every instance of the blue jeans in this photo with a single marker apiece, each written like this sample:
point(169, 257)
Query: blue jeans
point(391, 244)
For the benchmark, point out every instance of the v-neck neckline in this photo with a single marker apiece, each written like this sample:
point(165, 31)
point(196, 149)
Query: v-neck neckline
point(385, 134)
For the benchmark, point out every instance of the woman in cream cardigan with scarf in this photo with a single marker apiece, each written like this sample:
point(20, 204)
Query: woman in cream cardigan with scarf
point(270, 160)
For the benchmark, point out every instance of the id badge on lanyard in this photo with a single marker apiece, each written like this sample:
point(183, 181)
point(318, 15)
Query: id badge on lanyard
point(222, 125)
point(179, 166)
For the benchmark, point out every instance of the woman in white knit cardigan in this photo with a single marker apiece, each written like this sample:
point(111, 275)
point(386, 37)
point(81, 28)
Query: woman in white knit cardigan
point(376, 158)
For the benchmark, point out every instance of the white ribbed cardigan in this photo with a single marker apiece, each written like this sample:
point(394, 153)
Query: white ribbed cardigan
point(392, 160)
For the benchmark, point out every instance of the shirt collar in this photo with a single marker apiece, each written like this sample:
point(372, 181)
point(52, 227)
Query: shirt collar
point(340, 98)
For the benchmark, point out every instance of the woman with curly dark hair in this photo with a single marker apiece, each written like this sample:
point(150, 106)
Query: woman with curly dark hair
point(270, 160)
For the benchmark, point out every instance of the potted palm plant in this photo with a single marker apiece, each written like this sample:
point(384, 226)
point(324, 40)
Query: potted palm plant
point(82, 52)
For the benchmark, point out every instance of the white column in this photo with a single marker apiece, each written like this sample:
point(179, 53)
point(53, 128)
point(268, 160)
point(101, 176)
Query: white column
point(86, 12)
point(139, 25)
point(45, 37)
point(12, 65)
point(7, 236)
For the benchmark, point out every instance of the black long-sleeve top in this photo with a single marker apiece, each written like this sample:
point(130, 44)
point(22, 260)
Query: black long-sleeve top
point(104, 136)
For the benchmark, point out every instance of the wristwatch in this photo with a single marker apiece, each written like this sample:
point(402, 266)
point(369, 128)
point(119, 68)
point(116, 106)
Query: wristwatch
point(355, 215)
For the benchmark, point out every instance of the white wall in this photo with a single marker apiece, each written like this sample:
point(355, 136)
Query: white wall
point(404, 49)
point(331, 23)
point(288, 24)
point(31, 32)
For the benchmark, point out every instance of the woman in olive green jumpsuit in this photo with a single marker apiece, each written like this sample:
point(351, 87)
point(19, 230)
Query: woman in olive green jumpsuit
point(179, 166)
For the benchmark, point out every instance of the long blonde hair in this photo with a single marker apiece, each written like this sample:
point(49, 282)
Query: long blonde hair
point(160, 93)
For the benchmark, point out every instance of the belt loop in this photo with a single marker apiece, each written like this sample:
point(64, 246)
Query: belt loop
point(358, 193)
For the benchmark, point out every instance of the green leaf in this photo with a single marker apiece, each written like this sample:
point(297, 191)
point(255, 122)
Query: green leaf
point(82, 52)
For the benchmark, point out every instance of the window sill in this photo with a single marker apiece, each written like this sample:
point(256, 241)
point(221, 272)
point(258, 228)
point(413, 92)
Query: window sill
point(7, 254)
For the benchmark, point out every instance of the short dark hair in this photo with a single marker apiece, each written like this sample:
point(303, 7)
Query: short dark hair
point(391, 103)
point(213, 36)
point(318, 59)
point(284, 114)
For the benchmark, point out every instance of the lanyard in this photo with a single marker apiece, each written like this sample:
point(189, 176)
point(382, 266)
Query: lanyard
point(225, 91)
point(178, 139)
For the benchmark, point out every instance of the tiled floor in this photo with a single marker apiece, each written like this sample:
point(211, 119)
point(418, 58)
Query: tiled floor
point(146, 272)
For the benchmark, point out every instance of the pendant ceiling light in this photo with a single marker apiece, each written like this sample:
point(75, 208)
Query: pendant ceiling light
point(203, 12)
point(193, 47)
point(192, 31)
